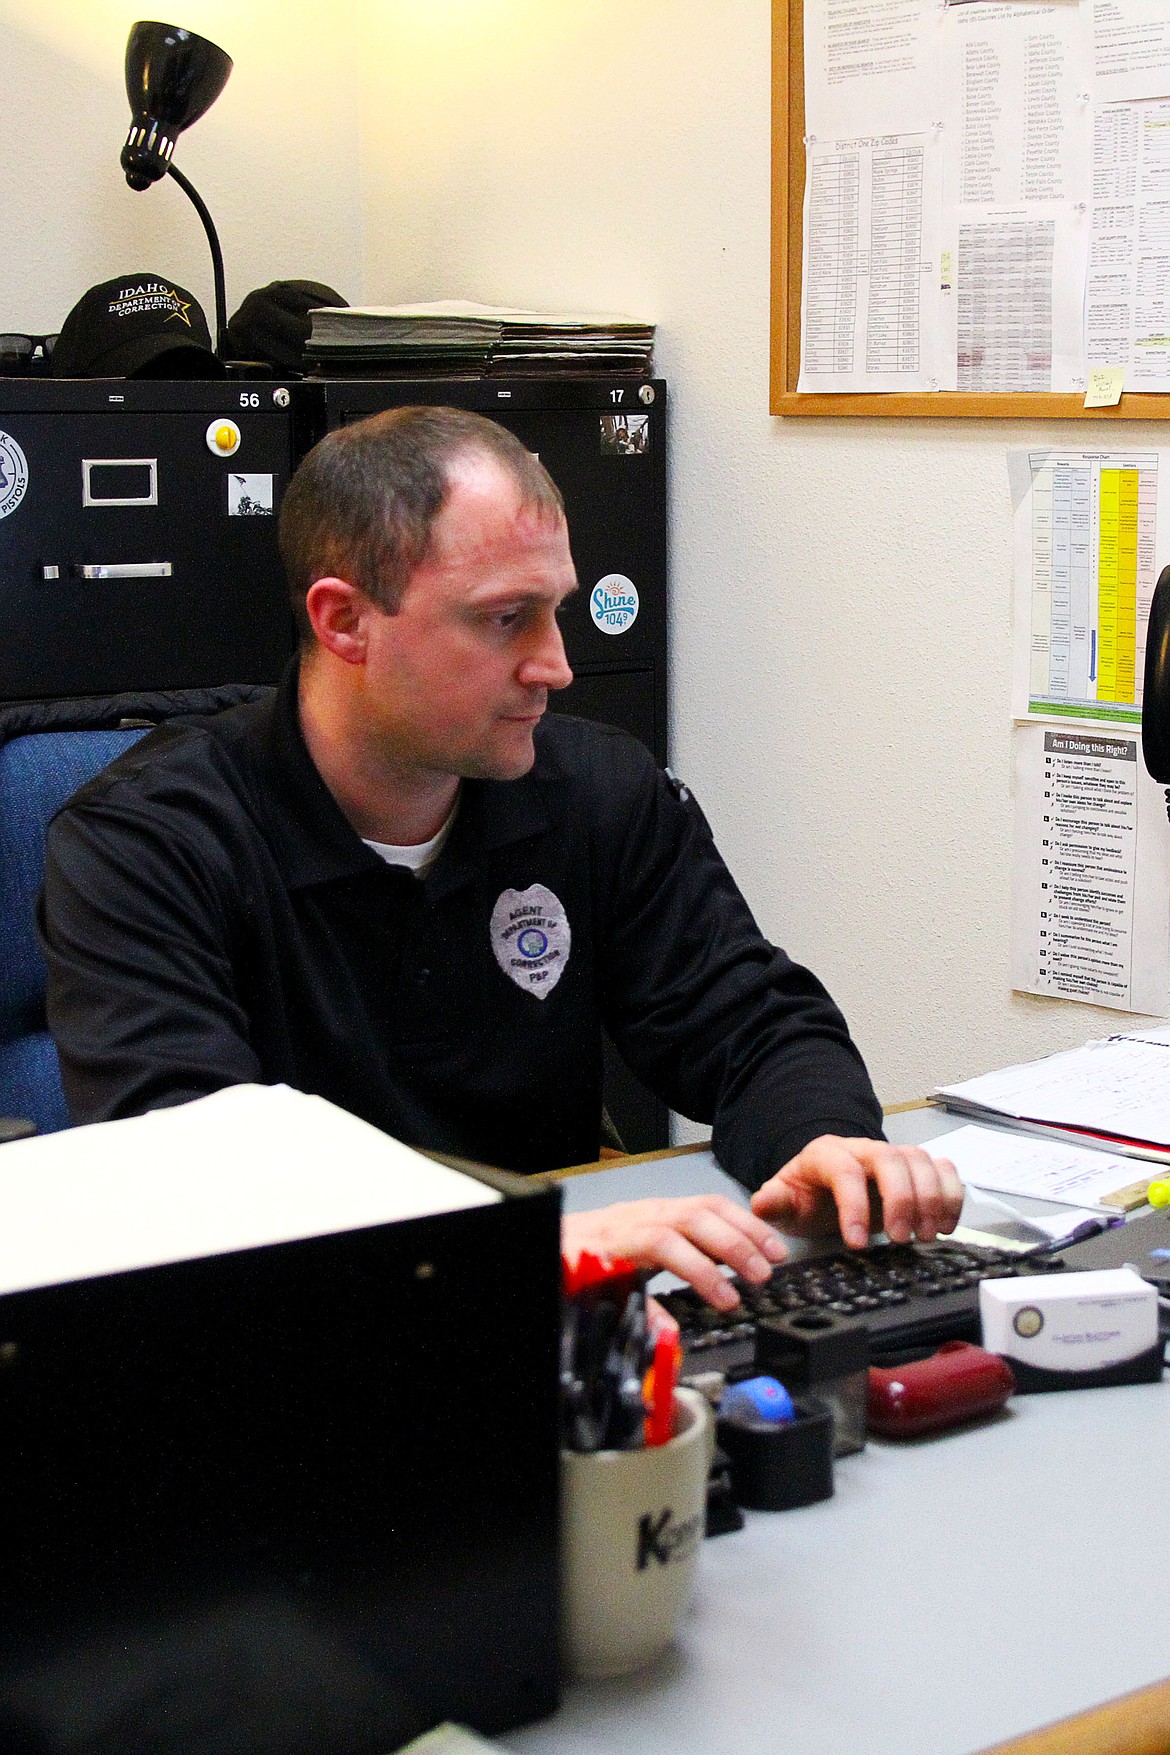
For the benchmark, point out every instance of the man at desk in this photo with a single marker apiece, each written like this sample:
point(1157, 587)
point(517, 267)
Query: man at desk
point(399, 885)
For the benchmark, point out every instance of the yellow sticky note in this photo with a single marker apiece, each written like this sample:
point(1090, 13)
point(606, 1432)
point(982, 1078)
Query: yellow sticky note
point(1105, 386)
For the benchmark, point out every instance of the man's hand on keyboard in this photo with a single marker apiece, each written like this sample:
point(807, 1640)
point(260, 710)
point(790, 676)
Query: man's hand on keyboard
point(866, 1185)
point(690, 1236)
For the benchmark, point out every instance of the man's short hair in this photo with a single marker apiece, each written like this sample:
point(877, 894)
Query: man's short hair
point(363, 503)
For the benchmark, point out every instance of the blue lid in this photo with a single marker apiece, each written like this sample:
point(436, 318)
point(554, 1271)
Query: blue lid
point(759, 1398)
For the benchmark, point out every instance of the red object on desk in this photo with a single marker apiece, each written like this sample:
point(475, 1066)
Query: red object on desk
point(660, 1384)
point(959, 1382)
point(587, 1272)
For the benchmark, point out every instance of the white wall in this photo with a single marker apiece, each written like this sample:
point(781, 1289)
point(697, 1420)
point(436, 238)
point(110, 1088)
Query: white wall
point(841, 589)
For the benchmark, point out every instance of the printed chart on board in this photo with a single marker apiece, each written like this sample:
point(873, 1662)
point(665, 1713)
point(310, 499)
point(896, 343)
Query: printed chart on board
point(1086, 562)
point(986, 195)
point(1091, 870)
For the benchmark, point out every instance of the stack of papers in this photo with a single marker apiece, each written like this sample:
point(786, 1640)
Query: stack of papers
point(455, 338)
point(1114, 1094)
point(1042, 1169)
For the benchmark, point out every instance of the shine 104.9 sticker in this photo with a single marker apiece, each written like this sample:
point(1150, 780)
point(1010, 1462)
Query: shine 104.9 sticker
point(613, 603)
point(13, 474)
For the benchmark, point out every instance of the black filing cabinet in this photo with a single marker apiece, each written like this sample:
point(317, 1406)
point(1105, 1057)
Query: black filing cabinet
point(137, 535)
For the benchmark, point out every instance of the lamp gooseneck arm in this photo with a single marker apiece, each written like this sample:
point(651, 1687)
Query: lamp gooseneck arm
point(200, 207)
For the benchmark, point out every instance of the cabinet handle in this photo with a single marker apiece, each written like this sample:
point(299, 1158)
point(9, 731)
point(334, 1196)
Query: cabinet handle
point(126, 570)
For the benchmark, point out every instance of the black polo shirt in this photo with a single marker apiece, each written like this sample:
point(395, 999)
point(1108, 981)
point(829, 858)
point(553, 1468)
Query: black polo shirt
point(209, 917)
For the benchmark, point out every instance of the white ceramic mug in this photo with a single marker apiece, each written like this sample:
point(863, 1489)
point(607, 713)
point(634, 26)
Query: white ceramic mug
point(631, 1531)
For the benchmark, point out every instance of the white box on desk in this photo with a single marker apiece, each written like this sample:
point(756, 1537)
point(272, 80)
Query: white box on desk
point(1072, 1330)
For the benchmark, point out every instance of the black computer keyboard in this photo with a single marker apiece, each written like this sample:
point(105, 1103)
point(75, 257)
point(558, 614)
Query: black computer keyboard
point(908, 1295)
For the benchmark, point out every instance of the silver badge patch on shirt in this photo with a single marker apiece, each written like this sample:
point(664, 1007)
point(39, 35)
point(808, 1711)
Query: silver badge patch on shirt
point(531, 938)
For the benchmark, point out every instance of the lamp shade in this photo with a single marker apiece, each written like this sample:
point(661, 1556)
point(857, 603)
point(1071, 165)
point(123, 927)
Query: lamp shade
point(172, 77)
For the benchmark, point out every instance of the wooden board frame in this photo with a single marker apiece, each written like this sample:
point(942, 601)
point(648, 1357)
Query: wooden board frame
point(788, 169)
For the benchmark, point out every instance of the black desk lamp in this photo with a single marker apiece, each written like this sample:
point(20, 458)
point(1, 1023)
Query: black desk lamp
point(172, 77)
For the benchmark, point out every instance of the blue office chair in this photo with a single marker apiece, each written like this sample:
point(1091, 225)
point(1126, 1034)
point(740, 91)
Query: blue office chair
point(38, 773)
point(46, 752)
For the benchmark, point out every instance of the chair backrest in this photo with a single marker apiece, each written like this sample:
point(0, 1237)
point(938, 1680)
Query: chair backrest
point(38, 772)
point(47, 750)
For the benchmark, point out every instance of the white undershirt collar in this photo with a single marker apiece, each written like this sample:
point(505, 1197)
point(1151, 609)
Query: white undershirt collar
point(419, 858)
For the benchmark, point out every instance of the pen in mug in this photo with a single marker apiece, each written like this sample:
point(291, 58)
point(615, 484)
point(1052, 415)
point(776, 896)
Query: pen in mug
point(605, 1351)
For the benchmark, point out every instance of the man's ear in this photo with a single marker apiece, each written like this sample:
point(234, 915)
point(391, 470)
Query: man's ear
point(337, 611)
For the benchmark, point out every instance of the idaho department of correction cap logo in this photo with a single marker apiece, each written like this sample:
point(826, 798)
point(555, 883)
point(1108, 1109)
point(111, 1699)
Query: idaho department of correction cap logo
point(13, 474)
point(151, 295)
point(613, 603)
point(531, 938)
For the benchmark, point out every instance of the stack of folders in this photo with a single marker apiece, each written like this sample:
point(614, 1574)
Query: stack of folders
point(1113, 1095)
point(454, 338)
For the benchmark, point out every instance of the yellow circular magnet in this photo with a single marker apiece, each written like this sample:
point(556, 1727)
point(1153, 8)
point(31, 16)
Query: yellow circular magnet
point(223, 437)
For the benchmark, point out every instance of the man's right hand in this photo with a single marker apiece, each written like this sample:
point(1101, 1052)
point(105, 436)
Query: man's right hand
point(690, 1236)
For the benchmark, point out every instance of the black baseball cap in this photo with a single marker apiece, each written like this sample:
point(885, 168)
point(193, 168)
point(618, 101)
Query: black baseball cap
point(273, 323)
point(137, 326)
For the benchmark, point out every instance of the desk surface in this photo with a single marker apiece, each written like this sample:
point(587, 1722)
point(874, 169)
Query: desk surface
point(953, 1593)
